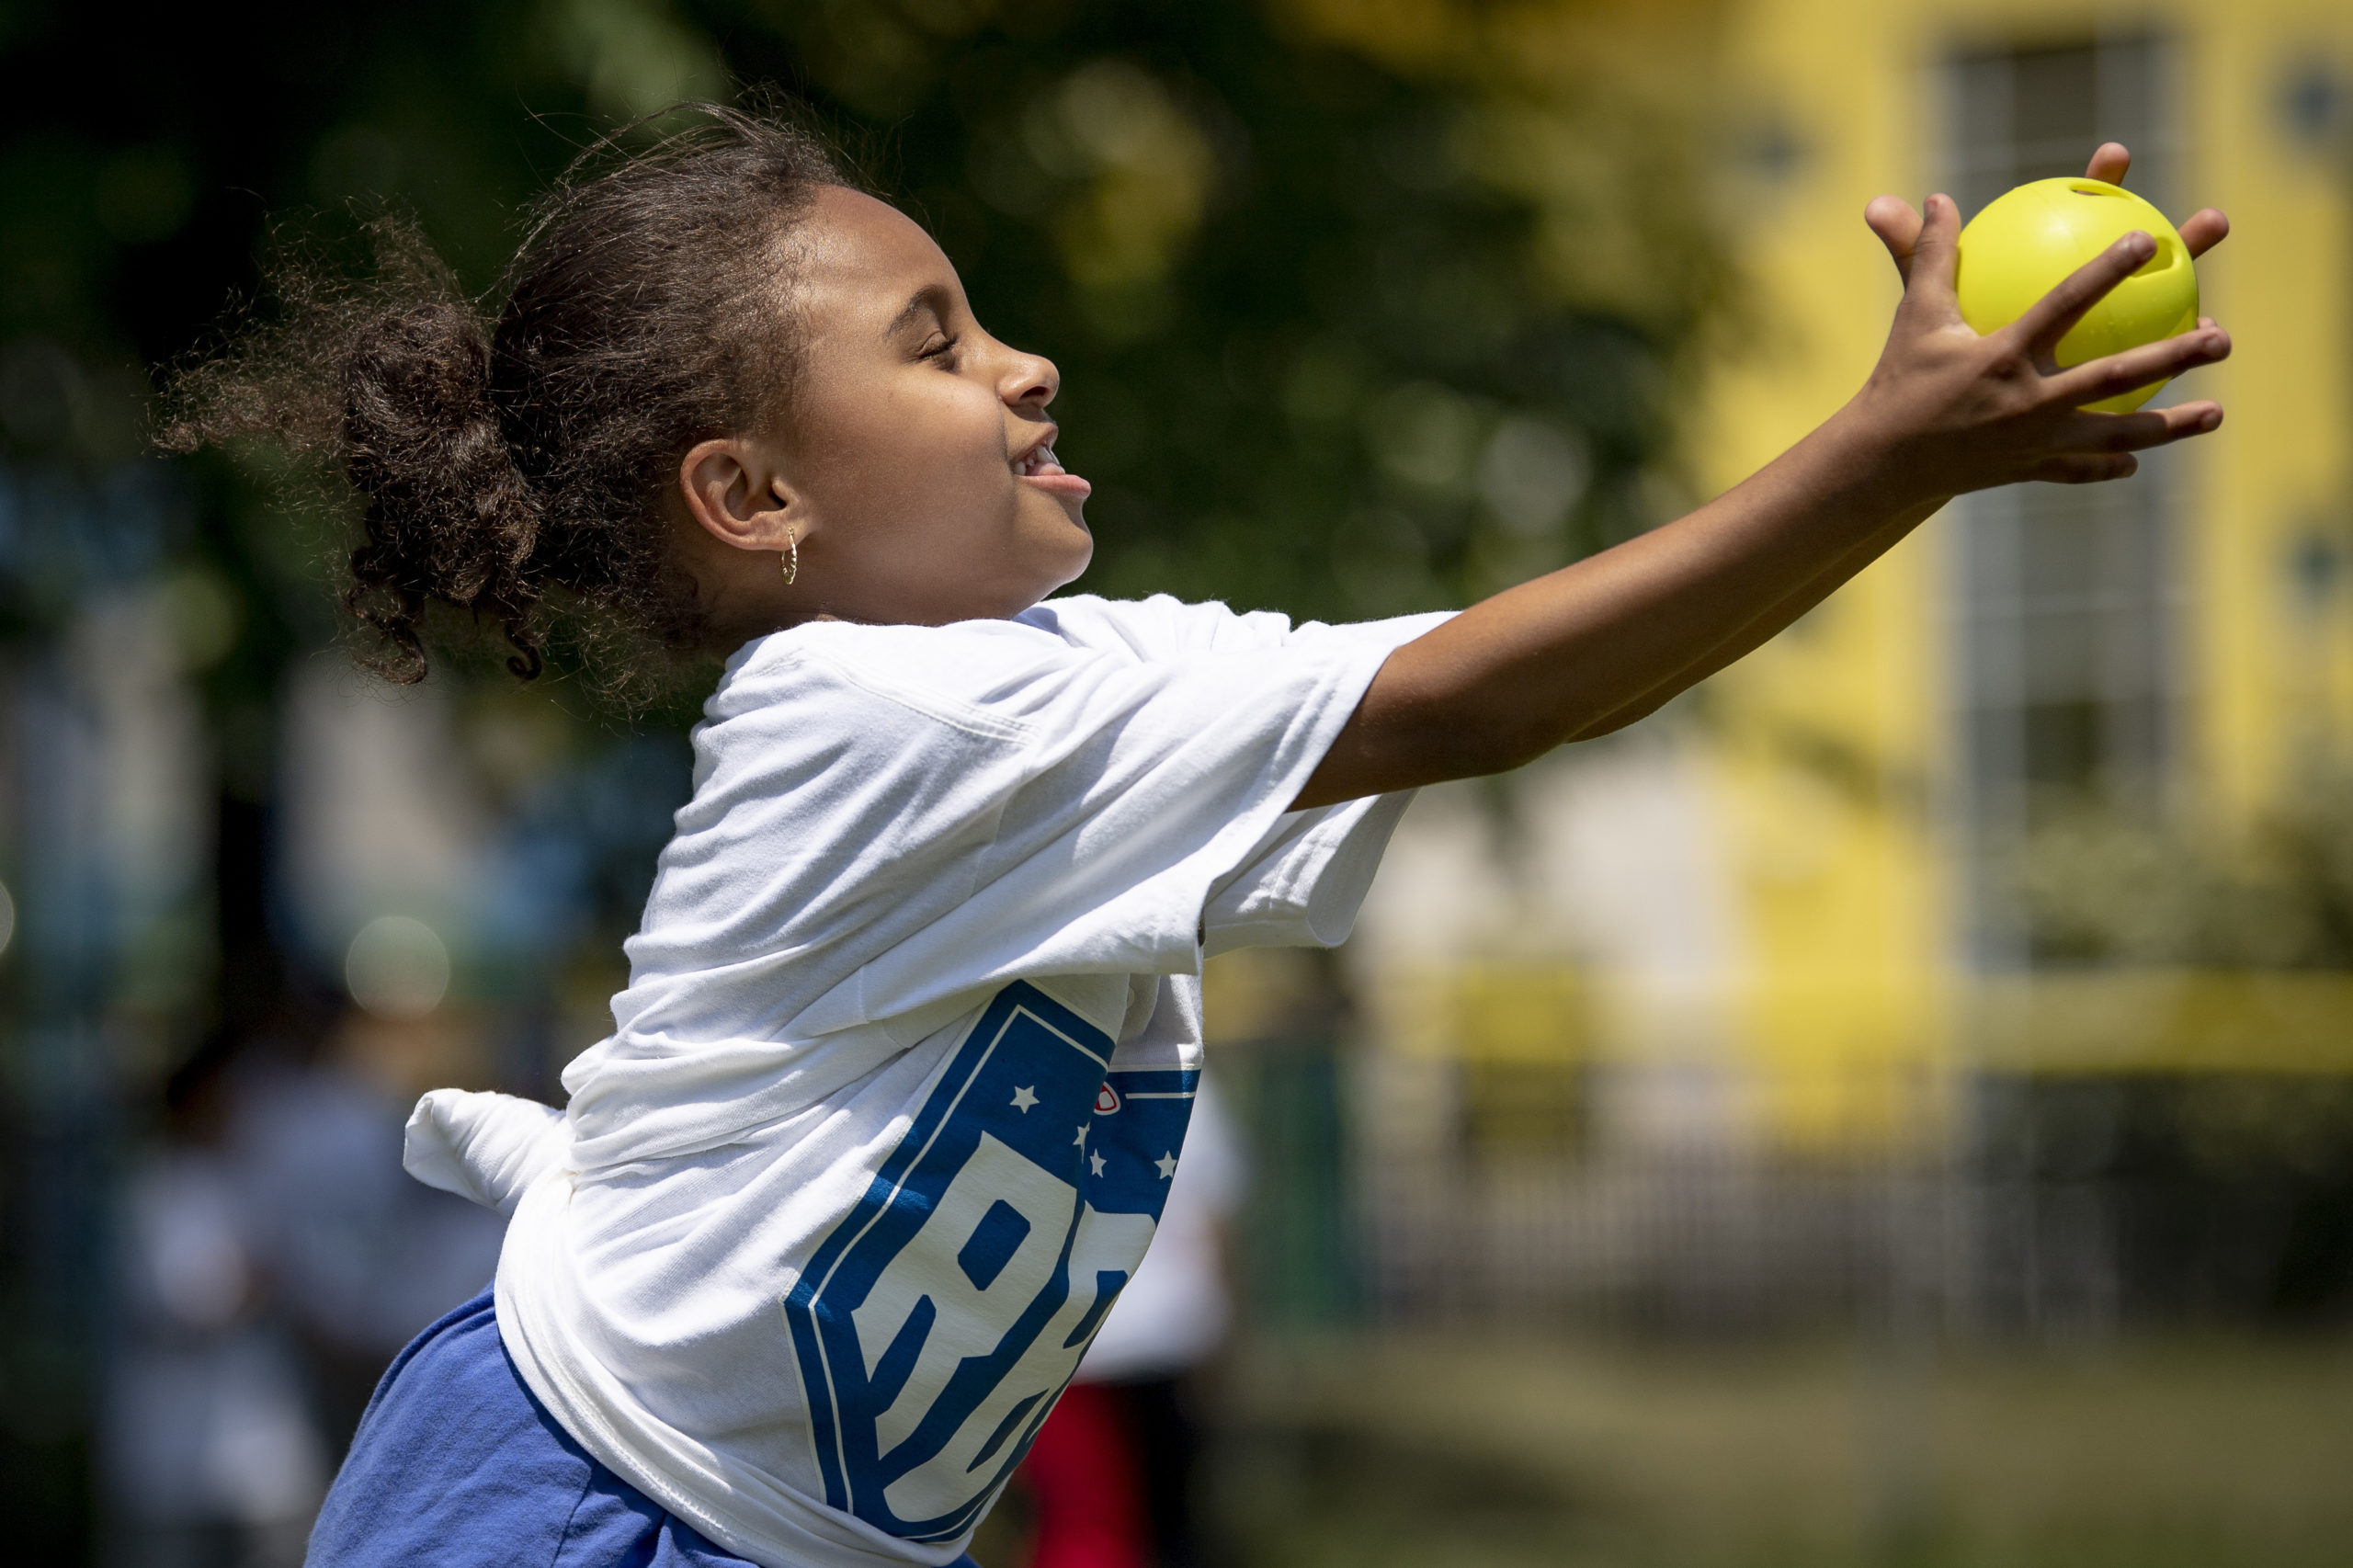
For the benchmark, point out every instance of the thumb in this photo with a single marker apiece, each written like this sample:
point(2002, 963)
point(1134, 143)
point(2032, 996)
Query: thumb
point(1935, 256)
point(1898, 228)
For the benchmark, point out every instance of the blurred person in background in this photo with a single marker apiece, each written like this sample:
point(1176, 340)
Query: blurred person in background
point(359, 1256)
point(215, 1456)
point(1110, 1478)
point(276, 1259)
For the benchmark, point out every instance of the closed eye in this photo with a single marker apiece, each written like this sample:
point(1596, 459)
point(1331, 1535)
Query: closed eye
point(940, 346)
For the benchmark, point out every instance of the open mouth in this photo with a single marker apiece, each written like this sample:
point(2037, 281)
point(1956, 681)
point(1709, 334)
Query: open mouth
point(1040, 467)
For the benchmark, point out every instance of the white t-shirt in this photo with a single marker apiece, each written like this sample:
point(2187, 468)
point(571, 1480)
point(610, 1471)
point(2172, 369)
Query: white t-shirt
point(903, 1071)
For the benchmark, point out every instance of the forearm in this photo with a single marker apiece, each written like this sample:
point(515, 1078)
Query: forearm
point(1769, 623)
point(1564, 655)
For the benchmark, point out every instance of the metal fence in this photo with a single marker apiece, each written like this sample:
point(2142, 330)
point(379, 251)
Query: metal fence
point(2056, 1206)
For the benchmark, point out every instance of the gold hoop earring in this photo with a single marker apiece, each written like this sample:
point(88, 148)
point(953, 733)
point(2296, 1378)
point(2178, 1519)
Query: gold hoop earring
point(792, 560)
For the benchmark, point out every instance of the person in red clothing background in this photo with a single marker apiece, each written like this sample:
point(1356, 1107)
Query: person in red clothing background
point(1110, 1478)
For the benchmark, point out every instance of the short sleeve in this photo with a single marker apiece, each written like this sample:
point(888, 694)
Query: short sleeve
point(1303, 885)
point(1146, 797)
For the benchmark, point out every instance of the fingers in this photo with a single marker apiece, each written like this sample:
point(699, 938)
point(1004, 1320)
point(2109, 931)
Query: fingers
point(2101, 434)
point(1898, 228)
point(2111, 163)
point(2047, 319)
point(2203, 231)
point(2118, 373)
point(2078, 467)
point(1936, 254)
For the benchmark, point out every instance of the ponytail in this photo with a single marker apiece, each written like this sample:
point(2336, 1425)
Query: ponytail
point(510, 467)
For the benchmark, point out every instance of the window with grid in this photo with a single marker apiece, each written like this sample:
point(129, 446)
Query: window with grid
point(2064, 597)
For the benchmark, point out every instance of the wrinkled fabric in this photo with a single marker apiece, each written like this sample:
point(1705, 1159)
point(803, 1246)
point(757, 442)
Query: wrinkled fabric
point(486, 1147)
point(908, 1051)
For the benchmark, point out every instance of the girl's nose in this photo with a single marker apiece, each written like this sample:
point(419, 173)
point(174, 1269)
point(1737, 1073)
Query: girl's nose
point(1030, 378)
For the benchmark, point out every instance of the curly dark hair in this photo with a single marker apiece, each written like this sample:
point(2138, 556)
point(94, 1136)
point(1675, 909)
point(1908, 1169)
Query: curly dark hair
point(497, 459)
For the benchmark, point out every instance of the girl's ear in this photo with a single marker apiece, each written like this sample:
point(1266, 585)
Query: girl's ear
point(729, 492)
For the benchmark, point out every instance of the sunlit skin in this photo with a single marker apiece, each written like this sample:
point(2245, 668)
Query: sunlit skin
point(1602, 642)
point(906, 473)
point(895, 473)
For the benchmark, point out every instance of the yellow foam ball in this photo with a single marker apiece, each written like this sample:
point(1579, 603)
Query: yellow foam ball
point(2029, 240)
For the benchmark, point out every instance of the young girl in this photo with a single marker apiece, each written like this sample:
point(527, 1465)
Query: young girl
point(913, 1023)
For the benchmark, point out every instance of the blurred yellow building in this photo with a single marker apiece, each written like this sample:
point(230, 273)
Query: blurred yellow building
point(2182, 643)
point(1795, 916)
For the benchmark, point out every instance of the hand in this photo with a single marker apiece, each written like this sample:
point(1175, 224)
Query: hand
point(1960, 412)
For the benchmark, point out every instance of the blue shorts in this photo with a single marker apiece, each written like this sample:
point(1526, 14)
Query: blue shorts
point(458, 1465)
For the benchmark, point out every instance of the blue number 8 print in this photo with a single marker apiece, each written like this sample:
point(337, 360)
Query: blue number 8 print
point(941, 1319)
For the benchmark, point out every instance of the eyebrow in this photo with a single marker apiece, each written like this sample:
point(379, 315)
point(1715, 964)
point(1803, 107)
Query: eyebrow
point(927, 298)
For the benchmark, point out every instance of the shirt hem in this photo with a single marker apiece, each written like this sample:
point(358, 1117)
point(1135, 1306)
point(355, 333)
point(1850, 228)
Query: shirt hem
point(576, 1410)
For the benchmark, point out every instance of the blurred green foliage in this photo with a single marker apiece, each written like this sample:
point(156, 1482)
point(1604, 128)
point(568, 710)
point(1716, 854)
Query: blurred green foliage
point(1332, 335)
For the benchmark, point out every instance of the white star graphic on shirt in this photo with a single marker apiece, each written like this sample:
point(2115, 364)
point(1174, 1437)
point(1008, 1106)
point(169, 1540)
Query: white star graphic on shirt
point(1024, 1096)
point(1081, 1139)
point(1167, 1163)
point(1096, 1161)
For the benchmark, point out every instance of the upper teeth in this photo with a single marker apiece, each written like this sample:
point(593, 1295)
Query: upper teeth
point(1036, 460)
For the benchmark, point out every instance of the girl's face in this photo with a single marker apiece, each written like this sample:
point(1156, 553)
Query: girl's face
point(915, 470)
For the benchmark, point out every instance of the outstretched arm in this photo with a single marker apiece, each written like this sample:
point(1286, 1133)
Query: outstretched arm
point(1599, 643)
point(1899, 228)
